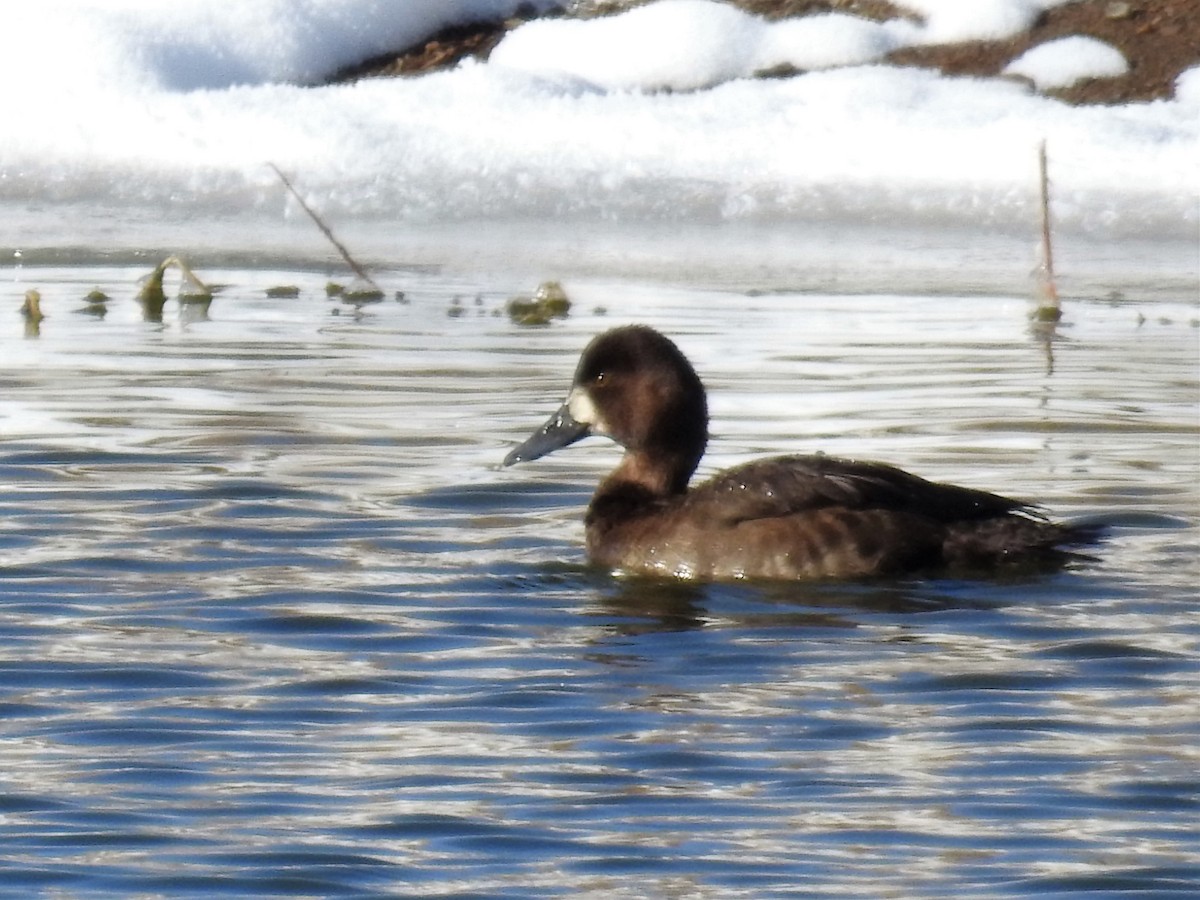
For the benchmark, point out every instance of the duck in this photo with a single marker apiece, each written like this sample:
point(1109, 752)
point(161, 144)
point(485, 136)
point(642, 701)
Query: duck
point(795, 517)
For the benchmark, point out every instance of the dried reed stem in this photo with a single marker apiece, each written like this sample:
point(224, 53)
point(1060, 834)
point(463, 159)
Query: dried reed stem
point(1048, 302)
point(325, 229)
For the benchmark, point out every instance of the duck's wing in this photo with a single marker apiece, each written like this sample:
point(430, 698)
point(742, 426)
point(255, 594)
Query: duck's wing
point(786, 485)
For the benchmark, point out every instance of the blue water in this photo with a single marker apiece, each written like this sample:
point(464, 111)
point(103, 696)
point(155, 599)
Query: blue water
point(275, 623)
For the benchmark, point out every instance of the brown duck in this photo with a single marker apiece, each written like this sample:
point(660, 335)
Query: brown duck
point(786, 517)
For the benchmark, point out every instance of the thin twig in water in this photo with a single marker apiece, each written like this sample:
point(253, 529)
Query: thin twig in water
point(1048, 303)
point(325, 230)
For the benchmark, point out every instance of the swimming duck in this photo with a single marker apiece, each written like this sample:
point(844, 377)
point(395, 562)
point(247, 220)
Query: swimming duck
point(786, 517)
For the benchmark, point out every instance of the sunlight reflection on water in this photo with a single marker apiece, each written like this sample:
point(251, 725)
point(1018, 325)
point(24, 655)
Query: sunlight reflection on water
point(276, 622)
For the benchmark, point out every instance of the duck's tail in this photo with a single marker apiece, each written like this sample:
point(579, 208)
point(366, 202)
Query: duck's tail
point(1017, 540)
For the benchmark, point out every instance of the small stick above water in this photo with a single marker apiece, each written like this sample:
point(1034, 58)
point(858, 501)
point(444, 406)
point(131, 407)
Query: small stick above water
point(1047, 252)
point(1049, 309)
point(325, 229)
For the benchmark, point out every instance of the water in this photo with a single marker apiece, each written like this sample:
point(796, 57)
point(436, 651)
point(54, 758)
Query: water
point(275, 623)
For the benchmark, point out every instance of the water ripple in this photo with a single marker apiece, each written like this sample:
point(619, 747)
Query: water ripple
point(276, 623)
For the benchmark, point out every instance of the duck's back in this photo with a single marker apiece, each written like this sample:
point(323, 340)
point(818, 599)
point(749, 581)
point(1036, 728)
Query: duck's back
point(798, 517)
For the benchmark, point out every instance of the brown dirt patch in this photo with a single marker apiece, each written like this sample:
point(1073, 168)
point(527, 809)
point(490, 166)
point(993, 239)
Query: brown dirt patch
point(444, 50)
point(880, 10)
point(1159, 38)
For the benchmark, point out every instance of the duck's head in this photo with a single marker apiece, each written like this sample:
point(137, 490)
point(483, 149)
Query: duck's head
point(634, 386)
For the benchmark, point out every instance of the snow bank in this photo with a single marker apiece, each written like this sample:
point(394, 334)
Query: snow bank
point(1187, 87)
point(185, 45)
point(678, 44)
point(689, 44)
point(133, 110)
point(954, 21)
point(1063, 62)
point(824, 41)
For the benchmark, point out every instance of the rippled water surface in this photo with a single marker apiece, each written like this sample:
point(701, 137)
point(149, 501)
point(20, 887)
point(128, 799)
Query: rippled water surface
point(275, 622)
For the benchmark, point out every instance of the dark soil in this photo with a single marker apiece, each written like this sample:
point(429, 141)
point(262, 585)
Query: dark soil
point(1159, 38)
point(444, 50)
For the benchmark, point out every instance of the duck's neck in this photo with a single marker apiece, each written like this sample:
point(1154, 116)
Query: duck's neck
point(661, 475)
point(643, 480)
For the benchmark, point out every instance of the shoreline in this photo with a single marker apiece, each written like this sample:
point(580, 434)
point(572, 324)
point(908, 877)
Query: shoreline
point(1159, 39)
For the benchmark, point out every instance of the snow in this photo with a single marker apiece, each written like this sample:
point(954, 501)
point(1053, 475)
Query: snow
point(676, 44)
point(688, 44)
point(1062, 62)
point(1187, 86)
point(954, 21)
point(824, 41)
point(184, 45)
point(129, 120)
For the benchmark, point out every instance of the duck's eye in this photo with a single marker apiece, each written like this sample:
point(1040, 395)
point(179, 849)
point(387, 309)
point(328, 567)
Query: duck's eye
point(599, 378)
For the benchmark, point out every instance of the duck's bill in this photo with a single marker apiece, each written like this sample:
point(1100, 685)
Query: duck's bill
point(560, 430)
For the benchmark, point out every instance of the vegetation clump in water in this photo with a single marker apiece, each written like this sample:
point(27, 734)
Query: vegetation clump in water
point(548, 302)
point(361, 291)
point(31, 309)
point(192, 291)
point(95, 303)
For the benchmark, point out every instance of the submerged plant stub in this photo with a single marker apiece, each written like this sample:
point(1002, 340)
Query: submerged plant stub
point(95, 303)
point(548, 302)
point(192, 290)
point(525, 311)
point(31, 309)
point(283, 292)
point(1047, 313)
point(150, 294)
point(361, 291)
point(553, 298)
